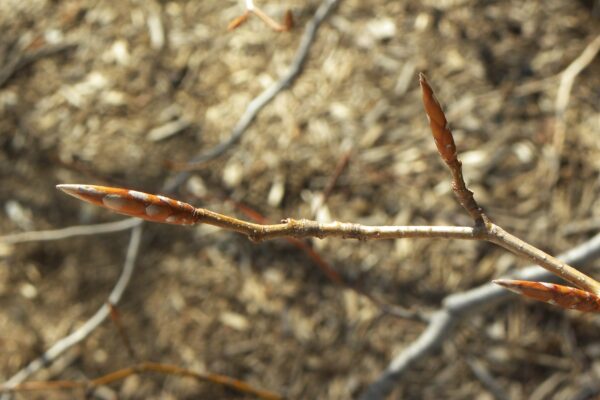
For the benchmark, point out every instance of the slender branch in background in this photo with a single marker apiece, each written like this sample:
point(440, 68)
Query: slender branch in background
point(294, 70)
point(72, 231)
point(90, 325)
point(165, 369)
point(459, 306)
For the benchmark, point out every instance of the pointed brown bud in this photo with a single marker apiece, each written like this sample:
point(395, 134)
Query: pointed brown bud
point(437, 121)
point(558, 295)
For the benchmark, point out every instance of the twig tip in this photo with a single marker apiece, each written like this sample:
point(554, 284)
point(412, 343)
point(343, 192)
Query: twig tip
point(508, 284)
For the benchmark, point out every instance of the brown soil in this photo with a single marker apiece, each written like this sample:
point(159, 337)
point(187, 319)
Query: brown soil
point(211, 300)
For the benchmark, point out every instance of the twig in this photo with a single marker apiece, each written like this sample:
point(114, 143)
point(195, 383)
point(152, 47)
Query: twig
point(457, 307)
point(90, 325)
point(276, 26)
point(165, 369)
point(261, 100)
point(491, 232)
point(65, 233)
point(163, 209)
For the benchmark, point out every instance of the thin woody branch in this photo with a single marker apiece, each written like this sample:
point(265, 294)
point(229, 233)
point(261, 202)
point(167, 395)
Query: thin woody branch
point(163, 209)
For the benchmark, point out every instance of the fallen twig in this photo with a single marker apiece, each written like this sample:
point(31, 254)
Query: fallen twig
point(165, 369)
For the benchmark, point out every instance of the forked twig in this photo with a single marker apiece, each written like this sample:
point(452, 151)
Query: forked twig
point(163, 209)
point(492, 232)
point(165, 369)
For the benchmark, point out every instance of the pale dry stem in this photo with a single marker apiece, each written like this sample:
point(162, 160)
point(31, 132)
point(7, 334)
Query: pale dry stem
point(71, 231)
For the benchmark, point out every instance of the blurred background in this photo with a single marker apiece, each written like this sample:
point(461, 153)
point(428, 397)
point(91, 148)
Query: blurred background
point(119, 92)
